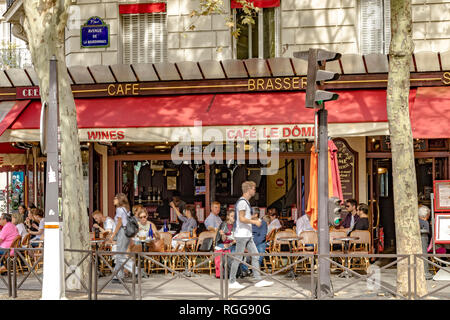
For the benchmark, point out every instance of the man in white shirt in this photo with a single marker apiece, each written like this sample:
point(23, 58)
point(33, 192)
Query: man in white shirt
point(108, 222)
point(303, 224)
point(244, 236)
point(274, 222)
point(213, 221)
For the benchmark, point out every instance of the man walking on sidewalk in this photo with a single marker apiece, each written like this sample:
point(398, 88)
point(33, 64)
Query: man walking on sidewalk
point(244, 237)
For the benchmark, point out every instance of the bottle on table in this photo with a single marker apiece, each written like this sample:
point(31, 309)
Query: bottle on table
point(165, 226)
point(150, 233)
point(96, 233)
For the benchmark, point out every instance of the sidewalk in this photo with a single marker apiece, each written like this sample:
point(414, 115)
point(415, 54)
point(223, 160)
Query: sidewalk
point(182, 288)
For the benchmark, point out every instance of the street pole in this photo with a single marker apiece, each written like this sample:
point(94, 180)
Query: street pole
point(53, 277)
point(324, 283)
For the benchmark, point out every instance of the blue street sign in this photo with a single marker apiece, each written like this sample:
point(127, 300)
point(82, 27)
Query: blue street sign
point(94, 34)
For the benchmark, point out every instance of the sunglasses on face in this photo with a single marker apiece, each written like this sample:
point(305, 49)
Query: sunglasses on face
point(142, 217)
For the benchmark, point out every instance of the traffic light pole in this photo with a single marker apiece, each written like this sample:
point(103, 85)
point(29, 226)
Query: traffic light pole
point(324, 282)
point(315, 99)
point(53, 273)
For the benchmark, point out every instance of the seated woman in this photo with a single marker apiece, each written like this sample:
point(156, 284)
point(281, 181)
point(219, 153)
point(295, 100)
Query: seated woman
point(145, 225)
point(224, 237)
point(136, 209)
point(38, 215)
point(363, 222)
point(17, 220)
point(189, 223)
point(30, 223)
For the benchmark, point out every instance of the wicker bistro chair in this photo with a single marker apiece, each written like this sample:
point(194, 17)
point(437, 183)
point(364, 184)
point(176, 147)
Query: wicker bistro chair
point(106, 257)
point(166, 260)
point(178, 261)
point(337, 246)
point(25, 243)
point(201, 258)
point(278, 262)
point(308, 238)
point(361, 246)
point(15, 244)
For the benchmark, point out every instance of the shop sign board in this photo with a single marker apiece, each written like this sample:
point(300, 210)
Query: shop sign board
point(348, 168)
point(94, 34)
point(442, 227)
point(442, 195)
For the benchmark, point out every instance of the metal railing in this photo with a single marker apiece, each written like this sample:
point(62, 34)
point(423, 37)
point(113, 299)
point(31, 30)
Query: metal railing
point(178, 266)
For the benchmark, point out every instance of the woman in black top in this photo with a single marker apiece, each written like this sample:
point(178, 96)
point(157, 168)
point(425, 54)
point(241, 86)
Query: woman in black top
point(363, 221)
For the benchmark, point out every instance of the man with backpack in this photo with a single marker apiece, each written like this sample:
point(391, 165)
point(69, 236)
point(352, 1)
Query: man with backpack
point(244, 237)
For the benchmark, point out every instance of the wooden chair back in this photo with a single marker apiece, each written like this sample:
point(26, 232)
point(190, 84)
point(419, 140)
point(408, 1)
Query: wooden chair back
point(364, 238)
point(204, 235)
point(167, 238)
point(16, 242)
point(309, 237)
point(337, 234)
point(26, 240)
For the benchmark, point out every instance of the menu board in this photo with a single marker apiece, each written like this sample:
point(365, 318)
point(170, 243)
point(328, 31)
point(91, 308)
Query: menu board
point(442, 195)
point(348, 168)
point(442, 227)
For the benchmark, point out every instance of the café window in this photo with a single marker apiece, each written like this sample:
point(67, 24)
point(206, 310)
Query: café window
point(375, 26)
point(144, 34)
point(261, 39)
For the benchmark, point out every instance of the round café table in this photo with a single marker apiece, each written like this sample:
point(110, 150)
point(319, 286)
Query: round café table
point(185, 241)
point(346, 241)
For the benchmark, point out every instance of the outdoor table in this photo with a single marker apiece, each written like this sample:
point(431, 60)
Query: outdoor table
point(36, 241)
point(96, 242)
point(144, 243)
point(186, 240)
point(346, 240)
point(290, 240)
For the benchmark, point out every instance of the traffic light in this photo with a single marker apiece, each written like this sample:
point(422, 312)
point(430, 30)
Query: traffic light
point(317, 58)
point(334, 211)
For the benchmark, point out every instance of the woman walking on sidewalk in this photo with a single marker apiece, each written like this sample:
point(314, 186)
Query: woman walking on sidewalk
point(122, 241)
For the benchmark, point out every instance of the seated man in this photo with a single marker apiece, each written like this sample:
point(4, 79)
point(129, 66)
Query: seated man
point(213, 220)
point(352, 217)
point(274, 222)
point(303, 224)
point(108, 223)
point(7, 235)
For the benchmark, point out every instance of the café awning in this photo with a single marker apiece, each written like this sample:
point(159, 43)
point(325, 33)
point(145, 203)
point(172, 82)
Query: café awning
point(430, 113)
point(212, 116)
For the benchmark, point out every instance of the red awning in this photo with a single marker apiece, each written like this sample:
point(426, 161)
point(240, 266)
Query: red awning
point(257, 3)
point(11, 110)
point(430, 114)
point(142, 8)
point(353, 106)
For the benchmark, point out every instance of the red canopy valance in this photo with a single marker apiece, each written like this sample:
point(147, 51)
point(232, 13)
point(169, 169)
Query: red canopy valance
point(155, 7)
point(257, 3)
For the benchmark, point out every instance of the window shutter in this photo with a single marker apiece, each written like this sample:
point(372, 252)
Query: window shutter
point(387, 25)
point(144, 38)
point(372, 29)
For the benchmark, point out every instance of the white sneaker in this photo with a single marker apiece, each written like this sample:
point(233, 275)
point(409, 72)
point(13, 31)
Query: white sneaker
point(235, 285)
point(263, 283)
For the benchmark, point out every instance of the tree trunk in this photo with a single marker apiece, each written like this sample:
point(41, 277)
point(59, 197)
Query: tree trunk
point(404, 174)
point(44, 24)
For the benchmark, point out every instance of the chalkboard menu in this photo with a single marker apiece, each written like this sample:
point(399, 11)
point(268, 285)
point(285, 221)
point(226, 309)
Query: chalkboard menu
point(348, 169)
